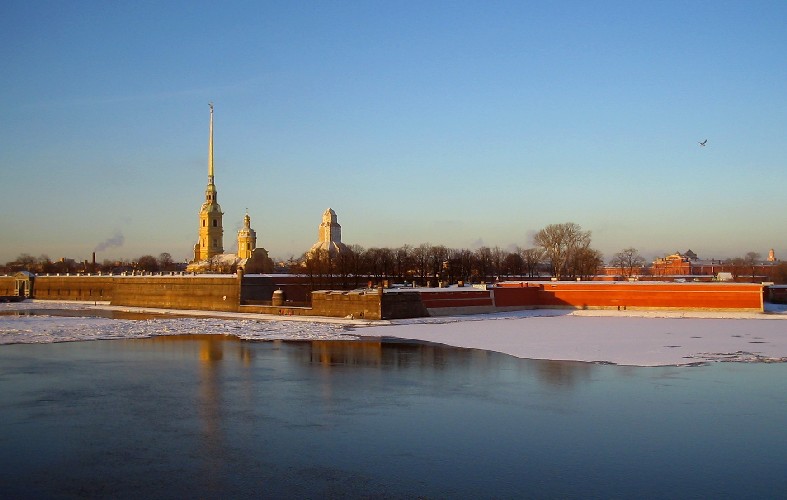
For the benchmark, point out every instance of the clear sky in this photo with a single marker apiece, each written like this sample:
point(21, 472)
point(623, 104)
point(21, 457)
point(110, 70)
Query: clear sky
point(455, 123)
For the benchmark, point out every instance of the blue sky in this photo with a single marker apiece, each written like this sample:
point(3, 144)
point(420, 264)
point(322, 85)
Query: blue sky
point(455, 123)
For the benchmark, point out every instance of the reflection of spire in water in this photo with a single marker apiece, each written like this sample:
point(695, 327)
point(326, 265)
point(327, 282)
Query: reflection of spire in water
point(211, 352)
point(563, 373)
point(342, 352)
point(246, 355)
point(329, 353)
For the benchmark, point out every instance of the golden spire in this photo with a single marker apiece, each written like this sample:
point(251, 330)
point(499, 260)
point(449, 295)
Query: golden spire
point(210, 147)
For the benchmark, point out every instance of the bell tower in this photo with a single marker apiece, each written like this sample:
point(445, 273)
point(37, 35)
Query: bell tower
point(247, 239)
point(211, 229)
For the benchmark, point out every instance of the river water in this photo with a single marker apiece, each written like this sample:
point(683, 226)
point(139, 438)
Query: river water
point(212, 416)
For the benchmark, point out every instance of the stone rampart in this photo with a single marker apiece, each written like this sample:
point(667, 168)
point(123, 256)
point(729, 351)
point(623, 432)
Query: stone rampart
point(260, 287)
point(74, 287)
point(330, 303)
point(403, 305)
point(365, 304)
point(7, 286)
point(204, 292)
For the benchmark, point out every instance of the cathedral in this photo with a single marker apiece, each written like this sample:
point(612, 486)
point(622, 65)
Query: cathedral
point(209, 250)
point(211, 230)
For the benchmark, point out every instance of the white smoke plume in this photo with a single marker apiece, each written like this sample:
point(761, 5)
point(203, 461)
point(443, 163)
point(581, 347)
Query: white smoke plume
point(115, 241)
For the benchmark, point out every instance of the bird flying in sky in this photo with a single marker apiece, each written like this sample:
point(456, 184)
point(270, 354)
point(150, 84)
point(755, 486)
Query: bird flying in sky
point(703, 143)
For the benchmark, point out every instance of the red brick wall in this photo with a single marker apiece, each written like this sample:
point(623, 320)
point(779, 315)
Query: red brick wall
point(466, 298)
point(740, 296)
point(523, 295)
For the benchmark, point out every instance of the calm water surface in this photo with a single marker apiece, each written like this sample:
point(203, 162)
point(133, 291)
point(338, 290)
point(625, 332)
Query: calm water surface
point(207, 416)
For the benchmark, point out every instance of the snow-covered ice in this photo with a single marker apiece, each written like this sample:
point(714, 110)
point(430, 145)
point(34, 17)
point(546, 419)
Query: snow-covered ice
point(46, 329)
point(638, 338)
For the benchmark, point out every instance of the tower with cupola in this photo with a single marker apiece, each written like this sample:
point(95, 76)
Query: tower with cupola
point(247, 239)
point(211, 230)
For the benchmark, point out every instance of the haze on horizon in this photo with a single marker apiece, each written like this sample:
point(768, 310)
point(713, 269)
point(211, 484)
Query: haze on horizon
point(462, 124)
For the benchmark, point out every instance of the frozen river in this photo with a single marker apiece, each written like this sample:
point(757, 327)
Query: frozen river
point(125, 403)
point(182, 416)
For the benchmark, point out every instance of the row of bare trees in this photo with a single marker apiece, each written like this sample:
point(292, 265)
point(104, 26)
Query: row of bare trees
point(44, 265)
point(563, 251)
point(422, 264)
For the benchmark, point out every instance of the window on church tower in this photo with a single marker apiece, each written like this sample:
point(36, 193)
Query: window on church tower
point(215, 243)
point(215, 222)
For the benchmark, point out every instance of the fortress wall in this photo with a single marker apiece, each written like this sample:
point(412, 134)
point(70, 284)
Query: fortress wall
point(649, 295)
point(276, 310)
point(357, 304)
point(465, 298)
point(223, 293)
point(260, 288)
point(87, 288)
point(209, 293)
point(777, 294)
point(403, 305)
point(6, 286)
point(525, 296)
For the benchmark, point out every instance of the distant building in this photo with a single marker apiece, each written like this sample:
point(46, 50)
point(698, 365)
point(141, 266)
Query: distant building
point(329, 236)
point(676, 264)
point(689, 265)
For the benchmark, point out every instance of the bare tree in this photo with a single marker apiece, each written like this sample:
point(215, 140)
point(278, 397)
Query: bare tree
point(358, 263)
point(402, 261)
point(438, 260)
point(532, 258)
point(381, 261)
point(45, 264)
point(559, 241)
point(736, 266)
point(460, 264)
point(513, 264)
point(629, 261)
point(147, 263)
point(585, 263)
point(752, 259)
point(420, 256)
point(25, 262)
point(482, 263)
point(165, 261)
point(498, 256)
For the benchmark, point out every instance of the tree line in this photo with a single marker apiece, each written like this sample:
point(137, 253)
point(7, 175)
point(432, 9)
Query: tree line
point(44, 265)
point(562, 251)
